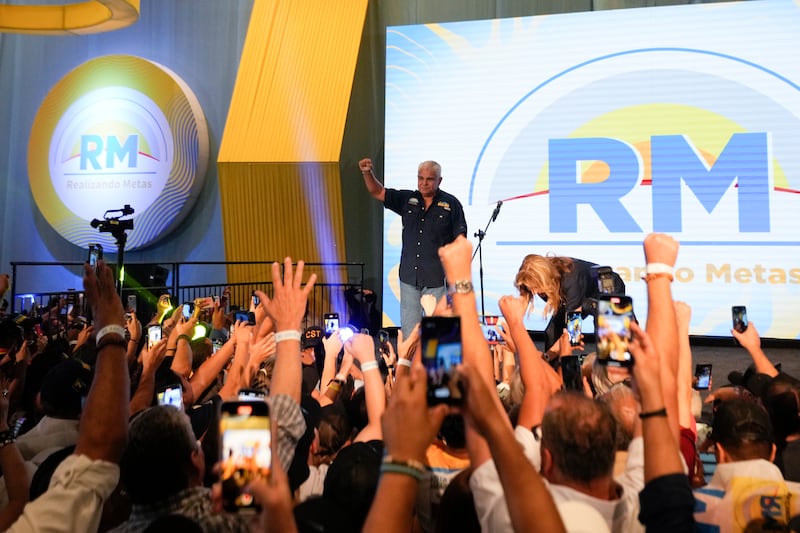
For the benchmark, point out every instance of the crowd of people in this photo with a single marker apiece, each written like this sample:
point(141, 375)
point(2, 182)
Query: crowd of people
point(91, 441)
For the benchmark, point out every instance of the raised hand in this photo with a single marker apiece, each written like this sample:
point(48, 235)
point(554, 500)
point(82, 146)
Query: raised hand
point(513, 309)
point(362, 347)
point(502, 329)
point(407, 347)
point(660, 248)
point(365, 165)
point(287, 306)
point(456, 259)
point(154, 356)
point(408, 408)
point(749, 338)
point(102, 296)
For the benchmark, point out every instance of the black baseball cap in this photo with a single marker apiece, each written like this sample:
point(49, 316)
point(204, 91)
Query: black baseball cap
point(312, 337)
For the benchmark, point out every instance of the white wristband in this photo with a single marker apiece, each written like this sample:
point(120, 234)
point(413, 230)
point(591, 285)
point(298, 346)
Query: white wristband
point(111, 329)
point(369, 365)
point(404, 362)
point(658, 268)
point(287, 335)
point(340, 377)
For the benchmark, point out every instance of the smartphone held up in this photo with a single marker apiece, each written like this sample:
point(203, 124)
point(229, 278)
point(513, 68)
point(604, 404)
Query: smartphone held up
point(245, 451)
point(703, 374)
point(441, 353)
point(95, 254)
point(153, 335)
point(739, 317)
point(574, 325)
point(331, 322)
point(613, 322)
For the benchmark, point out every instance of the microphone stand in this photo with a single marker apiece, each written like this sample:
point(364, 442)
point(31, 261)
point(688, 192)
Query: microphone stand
point(480, 234)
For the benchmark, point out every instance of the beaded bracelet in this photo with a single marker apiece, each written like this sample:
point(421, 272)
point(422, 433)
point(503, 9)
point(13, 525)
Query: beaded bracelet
point(287, 335)
point(392, 468)
point(650, 277)
point(408, 467)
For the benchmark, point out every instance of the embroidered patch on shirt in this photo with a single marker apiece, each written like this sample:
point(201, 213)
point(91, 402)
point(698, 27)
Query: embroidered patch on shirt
point(444, 205)
point(413, 201)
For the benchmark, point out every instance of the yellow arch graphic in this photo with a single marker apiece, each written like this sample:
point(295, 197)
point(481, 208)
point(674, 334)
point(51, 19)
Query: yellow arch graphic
point(81, 18)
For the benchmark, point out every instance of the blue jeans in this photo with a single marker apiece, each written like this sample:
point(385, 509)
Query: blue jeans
point(410, 308)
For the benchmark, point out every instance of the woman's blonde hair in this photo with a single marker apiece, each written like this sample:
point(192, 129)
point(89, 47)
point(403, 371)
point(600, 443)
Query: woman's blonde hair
point(542, 275)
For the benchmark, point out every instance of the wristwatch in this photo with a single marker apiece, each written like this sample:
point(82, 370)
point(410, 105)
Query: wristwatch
point(461, 287)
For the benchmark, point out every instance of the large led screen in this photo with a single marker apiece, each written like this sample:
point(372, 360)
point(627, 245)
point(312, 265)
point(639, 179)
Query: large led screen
point(595, 129)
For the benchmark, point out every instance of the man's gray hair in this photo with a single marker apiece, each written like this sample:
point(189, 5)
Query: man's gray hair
point(433, 165)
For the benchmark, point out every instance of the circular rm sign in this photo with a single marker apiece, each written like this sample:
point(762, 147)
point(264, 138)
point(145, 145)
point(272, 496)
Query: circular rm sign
point(118, 130)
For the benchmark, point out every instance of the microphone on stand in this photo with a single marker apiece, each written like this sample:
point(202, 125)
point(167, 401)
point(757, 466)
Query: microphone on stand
point(497, 210)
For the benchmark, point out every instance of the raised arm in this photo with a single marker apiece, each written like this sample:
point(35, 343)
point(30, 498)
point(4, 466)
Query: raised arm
point(180, 344)
point(286, 309)
point(374, 186)
point(683, 313)
point(241, 355)
point(209, 369)
point(104, 424)
point(530, 505)
point(661, 453)
point(751, 341)
point(392, 508)
point(532, 368)
point(661, 253)
point(328, 384)
point(405, 352)
point(663, 468)
point(456, 259)
point(134, 328)
point(13, 467)
point(151, 360)
point(363, 349)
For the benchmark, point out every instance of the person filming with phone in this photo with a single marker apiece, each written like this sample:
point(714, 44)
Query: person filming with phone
point(566, 285)
point(431, 219)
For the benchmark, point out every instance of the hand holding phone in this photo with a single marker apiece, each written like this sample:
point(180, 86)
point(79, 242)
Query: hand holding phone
point(245, 451)
point(331, 322)
point(574, 326)
point(441, 353)
point(703, 374)
point(187, 310)
point(171, 395)
point(153, 335)
point(95, 254)
point(613, 321)
point(739, 317)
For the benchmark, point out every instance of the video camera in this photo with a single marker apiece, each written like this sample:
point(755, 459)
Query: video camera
point(114, 225)
point(606, 284)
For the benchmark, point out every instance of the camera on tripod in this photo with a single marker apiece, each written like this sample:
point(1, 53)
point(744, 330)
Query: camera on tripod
point(606, 284)
point(114, 225)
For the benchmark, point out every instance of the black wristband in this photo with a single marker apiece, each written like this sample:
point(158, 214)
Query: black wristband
point(652, 414)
